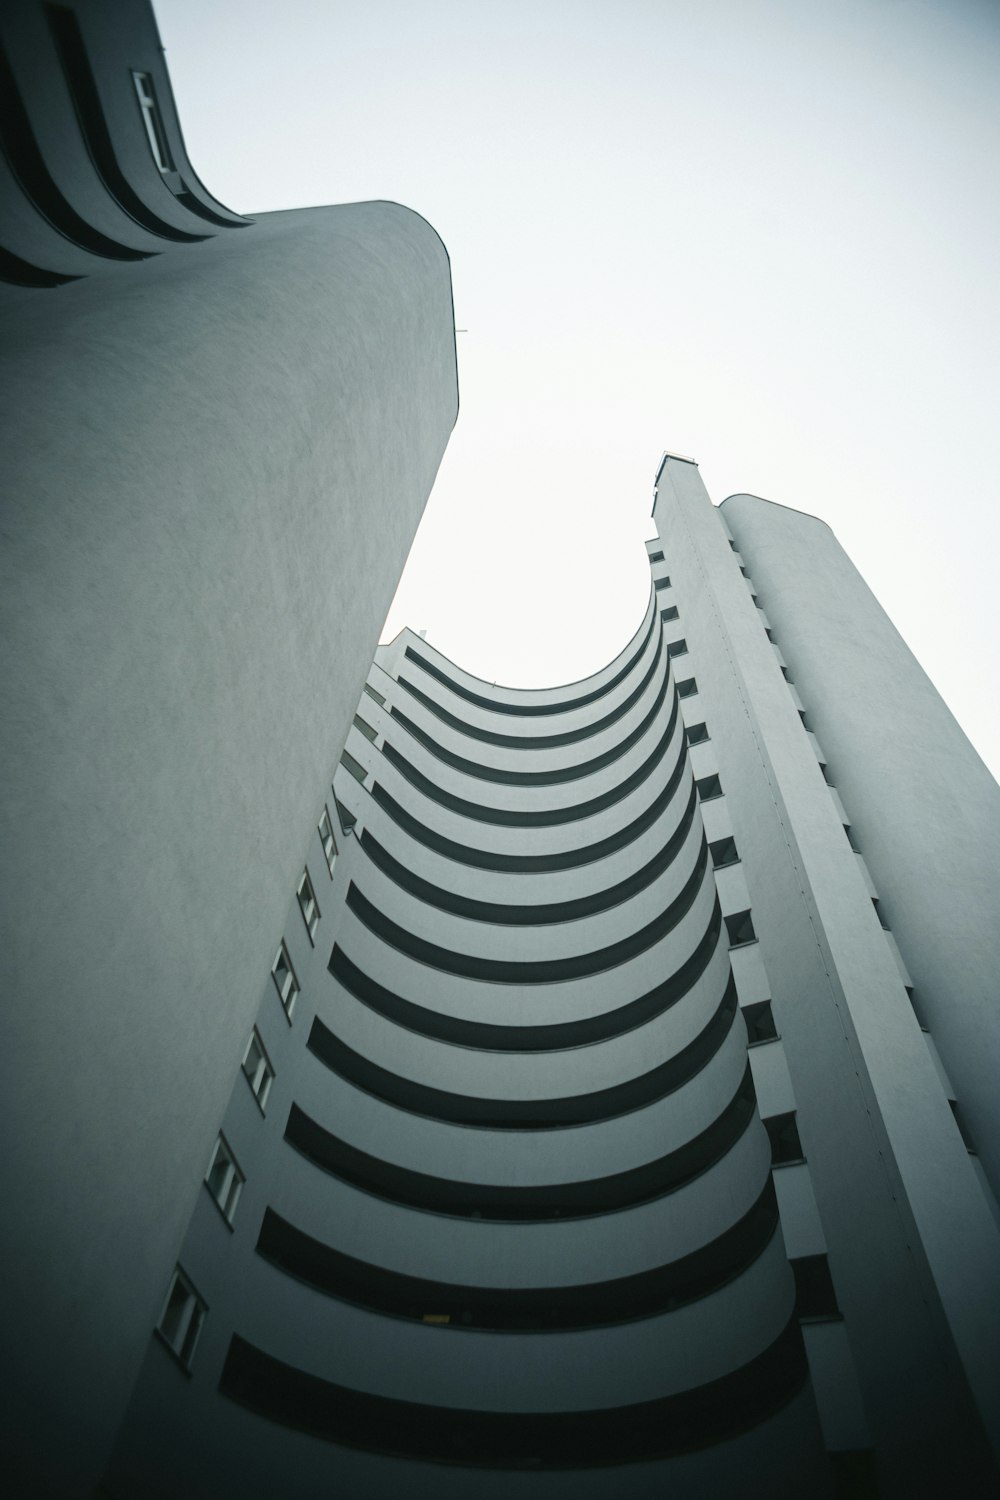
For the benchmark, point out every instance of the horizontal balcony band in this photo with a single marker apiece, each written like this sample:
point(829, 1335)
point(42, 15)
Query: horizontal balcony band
point(553, 776)
point(563, 859)
point(526, 1114)
point(609, 1436)
point(536, 913)
point(533, 971)
point(537, 741)
point(540, 817)
point(531, 710)
point(491, 1037)
point(560, 1200)
point(595, 1304)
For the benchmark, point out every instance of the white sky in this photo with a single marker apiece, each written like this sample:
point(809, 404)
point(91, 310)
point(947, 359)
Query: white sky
point(761, 232)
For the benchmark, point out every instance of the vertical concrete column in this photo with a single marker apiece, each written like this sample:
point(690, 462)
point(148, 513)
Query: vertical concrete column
point(908, 1229)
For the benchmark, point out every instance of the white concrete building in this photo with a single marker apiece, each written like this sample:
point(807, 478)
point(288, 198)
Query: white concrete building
point(610, 1144)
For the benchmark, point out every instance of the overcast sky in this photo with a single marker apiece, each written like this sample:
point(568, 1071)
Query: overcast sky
point(764, 233)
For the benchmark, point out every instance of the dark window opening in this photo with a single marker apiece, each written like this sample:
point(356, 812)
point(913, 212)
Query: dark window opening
point(687, 688)
point(760, 1023)
point(677, 648)
point(709, 787)
point(347, 818)
point(880, 914)
point(697, 734)
point(373, 694)
point(724, 852)
point(783, 1134)
point(740, 929)
point(671, 613)
point(814, 1293)
point(355, 767)
point(661, 583)
point(656, 557)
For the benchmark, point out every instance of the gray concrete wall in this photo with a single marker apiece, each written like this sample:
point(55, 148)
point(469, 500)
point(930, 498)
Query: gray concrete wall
point(924, 810)
point(912, 1245)
point(213, 467)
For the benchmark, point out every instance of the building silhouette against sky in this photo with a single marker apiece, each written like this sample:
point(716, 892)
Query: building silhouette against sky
point(418, 1086)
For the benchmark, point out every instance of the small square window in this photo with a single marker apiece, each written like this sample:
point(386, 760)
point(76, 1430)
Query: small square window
point(814, 1293)
point(326, 838)
point(697, 734)
point(783, 1134)
point(687, 688)
point(677, 648)
point(760, 1023)
point(257, 1069)
point(671, 613)
point(284, 978)
point(709, 787)
point(224, 1179)
point(182, 1318)
point(724, 852)
point(661, 583)
point(347, 818)
point(740, 929)
point(656, 557)
point(307, 904)
point(354, 766)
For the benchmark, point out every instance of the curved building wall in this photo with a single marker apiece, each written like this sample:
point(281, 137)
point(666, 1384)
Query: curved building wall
point(510, 1207)
point(215, 458)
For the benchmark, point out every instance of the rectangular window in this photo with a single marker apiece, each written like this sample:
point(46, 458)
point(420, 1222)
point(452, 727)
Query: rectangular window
point(783, 1134)
point(347, 818)
point(814, 1293)
point(697, 734)
point(307, 904)
point(672, 613)
point(740, 929)
point(724, 852)
point(687, 688)
point(760, 1023)
point(677, 648)
point(257, 1069)
point(365, 727)
point(284, 978)
point(153, 121)
point(326, 838)
point(656, 557)
point(224, 1179)
point(182, 1318)
point(661, 583)
point(355, 767)
point(709, 787)
point(373, 694)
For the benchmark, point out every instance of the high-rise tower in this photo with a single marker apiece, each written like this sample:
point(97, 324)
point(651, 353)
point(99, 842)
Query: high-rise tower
point(596, 1132)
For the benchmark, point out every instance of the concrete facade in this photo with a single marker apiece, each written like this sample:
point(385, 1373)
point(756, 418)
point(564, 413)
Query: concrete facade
point(214, 462)
point(603, 1084)
point(418, 1086)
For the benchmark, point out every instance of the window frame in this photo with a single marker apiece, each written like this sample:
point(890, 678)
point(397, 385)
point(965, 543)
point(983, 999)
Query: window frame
point(265, 1070)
